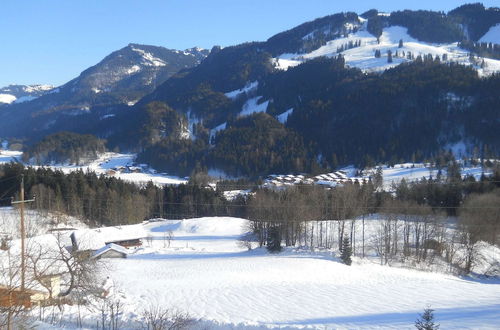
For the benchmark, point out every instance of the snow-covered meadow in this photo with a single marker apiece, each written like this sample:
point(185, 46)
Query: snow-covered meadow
point(204, 272)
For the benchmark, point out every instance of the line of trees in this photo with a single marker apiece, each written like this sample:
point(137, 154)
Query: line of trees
point(413, 228)
point(414, 224)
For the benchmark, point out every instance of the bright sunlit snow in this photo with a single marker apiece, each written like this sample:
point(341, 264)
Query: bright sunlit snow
point(202, 270)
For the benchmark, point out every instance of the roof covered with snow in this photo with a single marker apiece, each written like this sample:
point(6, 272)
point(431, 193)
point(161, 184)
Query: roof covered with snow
point(109, 247)
point(94, 239)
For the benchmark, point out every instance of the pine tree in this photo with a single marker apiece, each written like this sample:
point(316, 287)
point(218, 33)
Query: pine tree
point(426, 321)
point(346, 251)
point(400, 43)
point(389, 56)
point(273, 240)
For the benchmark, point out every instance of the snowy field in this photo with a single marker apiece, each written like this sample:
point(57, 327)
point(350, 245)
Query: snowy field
point(414, 172)
point(206, 274)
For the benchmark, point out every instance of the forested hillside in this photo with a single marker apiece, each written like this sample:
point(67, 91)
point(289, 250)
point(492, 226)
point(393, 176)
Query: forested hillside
point(65, 147)
point(411, 112)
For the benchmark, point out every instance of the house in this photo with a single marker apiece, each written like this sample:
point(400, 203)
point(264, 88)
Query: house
point(16, 297)
point(10, 296)
point(111, 251)
point(95, 239)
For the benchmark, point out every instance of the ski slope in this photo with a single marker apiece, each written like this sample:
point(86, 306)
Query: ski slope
point(363, 57)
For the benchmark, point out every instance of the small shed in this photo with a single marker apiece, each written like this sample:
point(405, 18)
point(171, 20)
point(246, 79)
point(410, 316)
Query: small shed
point(111, 251)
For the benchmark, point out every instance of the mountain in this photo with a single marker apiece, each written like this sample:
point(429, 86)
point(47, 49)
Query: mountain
point(342, 89)
point(22, 93)
point(330, 100)
point(116, 82)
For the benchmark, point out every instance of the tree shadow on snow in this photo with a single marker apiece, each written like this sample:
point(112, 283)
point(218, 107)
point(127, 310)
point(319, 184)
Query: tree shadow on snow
point(489, 314)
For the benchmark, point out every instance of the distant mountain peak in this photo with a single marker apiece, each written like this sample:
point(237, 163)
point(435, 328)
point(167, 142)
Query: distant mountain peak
point(22, 93)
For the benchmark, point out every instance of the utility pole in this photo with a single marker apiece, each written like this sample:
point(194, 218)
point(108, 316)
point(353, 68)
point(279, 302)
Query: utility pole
point(21, 201)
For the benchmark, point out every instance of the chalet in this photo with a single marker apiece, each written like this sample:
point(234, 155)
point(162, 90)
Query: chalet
point(95, 239)
point(134, 169)
point(111, 250)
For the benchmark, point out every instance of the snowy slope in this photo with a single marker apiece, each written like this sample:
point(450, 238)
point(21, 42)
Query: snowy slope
point(363, 57)
point(36, 223)
point(493, 35)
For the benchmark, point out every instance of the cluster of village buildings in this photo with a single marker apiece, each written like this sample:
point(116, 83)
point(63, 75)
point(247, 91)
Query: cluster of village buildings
point(329, 179)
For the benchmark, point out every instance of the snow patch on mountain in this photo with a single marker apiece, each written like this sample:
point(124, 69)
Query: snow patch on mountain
point(493, 35)
point(7, 98)
point(133, 69)
point(252, 106)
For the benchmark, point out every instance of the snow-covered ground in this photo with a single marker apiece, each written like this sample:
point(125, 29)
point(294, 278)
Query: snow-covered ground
point(363, 57)
point(205, 273)
point(36, 223)
point(104, 165)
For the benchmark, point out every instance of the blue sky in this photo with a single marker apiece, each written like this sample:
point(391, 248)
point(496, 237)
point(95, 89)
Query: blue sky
point(52, 41)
